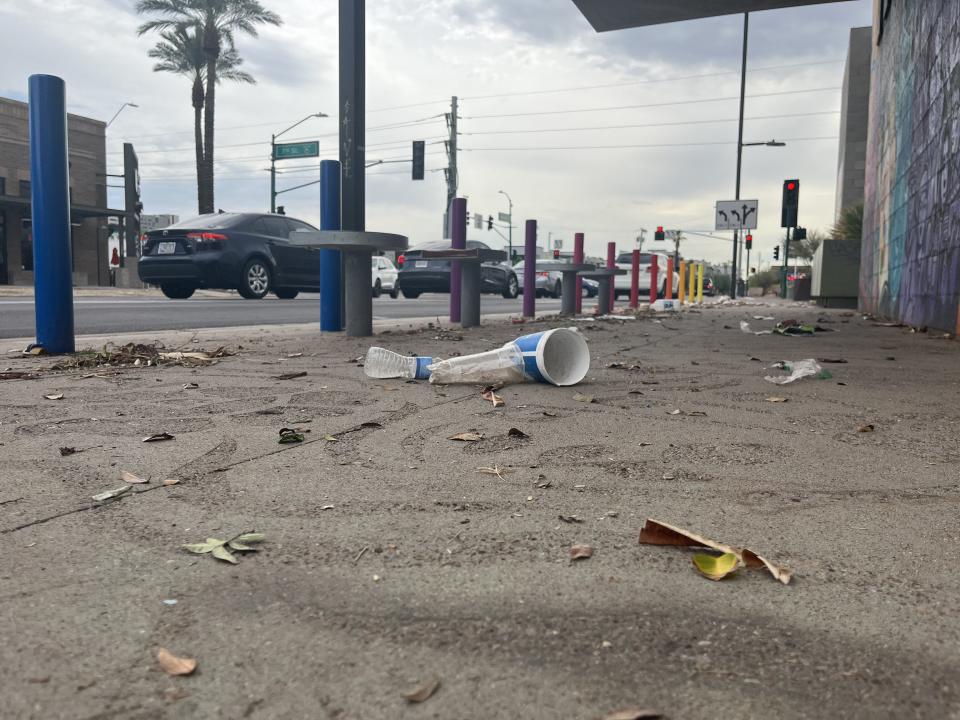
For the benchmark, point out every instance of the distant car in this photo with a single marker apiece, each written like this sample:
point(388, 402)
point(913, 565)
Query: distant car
point(621, 283)
point(709, 288)
point(384, 277)
point(246, 252)
point(548, 284)
point(591, 288)
point(419, 275)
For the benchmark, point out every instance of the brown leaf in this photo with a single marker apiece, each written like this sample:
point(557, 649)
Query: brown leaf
point(570, 518)
point(489, 394)
point(171, 481)
point(55, 396)
point(633, 714)
point(159, 437)
point(132, 479)
point(580, 552)
point(370, 424)
point(290, 375)
point(517, 433)
point(752, 560)
point(865, 428)
point(778, 399)
point(424, 691)
point(466, 437)
point(173, 665)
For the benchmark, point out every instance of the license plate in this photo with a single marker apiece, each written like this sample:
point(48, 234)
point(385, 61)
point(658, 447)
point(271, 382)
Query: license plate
point(421, 263)
point(166, 248)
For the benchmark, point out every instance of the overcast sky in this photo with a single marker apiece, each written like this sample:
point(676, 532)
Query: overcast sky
point(571, 167)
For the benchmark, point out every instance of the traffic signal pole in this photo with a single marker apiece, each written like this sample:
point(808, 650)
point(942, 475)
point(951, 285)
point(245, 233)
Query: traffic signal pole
point(743, 89)
point(783, 269)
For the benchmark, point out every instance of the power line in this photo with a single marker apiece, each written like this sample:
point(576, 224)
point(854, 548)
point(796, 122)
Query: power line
point(646, 105)
point(649, 81)
point(627, 147)
point(650, 125)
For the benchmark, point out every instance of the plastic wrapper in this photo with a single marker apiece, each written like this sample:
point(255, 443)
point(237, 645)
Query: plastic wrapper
point(504, 365)
point(797, 369)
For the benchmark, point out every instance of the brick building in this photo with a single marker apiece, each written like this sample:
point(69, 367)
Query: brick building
point(86, 142)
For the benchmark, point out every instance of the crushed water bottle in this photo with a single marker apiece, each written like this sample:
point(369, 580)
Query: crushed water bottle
point(383, 363)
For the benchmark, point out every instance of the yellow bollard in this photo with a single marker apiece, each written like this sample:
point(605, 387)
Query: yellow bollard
point(681, 284)
point(700, 283)
point(693, 273)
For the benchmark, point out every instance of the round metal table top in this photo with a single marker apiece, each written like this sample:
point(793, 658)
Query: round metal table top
point(602, 273)
point(349, 240)
point(565, 267)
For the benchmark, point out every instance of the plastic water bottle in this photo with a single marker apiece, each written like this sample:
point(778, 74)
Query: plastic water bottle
point(383, 363)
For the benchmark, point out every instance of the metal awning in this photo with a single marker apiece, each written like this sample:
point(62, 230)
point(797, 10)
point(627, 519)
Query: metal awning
point(77, 212)
point(606, 15)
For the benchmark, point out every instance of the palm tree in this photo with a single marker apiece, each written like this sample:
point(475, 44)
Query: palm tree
point(219, 21)
point(180, 51)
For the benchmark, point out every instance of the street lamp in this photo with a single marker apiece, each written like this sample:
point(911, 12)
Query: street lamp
point(273, 157)
point(126, 104)
point(736, 235)
point(509, 228)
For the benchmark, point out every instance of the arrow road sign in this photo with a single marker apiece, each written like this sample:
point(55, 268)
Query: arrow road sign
point(736, 215)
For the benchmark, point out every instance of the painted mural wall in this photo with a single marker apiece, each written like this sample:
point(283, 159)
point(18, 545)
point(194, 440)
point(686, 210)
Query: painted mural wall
point(910, 258)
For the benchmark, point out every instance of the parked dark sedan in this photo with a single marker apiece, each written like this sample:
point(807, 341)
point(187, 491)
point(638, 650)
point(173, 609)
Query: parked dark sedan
point(433, 276)
point(246, 252)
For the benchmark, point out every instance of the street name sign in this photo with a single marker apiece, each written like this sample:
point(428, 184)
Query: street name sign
point(504, 217)
point(284, 151)
point(736, 215)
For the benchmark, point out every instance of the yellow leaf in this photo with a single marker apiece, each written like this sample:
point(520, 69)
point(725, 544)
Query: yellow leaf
point(173, 665)
point(715, 567)
point(466, 437)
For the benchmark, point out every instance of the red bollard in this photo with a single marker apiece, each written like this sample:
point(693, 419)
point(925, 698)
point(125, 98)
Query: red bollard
point(654, 279)
point(669, 293)
point(612, 263)
point(578, 259)
point(635, 279)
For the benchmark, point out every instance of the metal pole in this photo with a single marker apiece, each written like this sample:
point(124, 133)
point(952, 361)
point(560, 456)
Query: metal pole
point(654, 272)
point(458, 241)
point(330, 260)
point(743, 90)
point(451, 169)
point(530, 269)
point(577, 260)
point(356, 281)
point(612, 263)
point(273, 175)
point(510, 233)
point(635, 279)
point(783, 269)
point(50, 206)
point(352, 112)
point(669, 293)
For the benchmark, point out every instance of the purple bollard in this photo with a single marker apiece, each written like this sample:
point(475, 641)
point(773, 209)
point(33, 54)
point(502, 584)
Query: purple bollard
point(612, 263)
point(458, 241)
point(577, 260)
point(530, 269)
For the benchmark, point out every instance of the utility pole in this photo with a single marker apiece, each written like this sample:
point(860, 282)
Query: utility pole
point(451, 171)
point(743, 89)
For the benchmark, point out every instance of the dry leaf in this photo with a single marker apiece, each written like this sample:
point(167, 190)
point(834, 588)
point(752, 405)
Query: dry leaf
point(423, 692)
point(111, 494)
point(715, 567)
point(633, 714)
point(330, 438)
point(580, 552)
point(64, 451)
point(171, 481)
point(547, 413)
point(466, 437)
point(295, 355)
point(495, 470)
point(778, 399)
point(675, 412)
point(752, 560)
point(290, 375)
point(132, 479)
point(489, 394)
point(190, 386)
point(517, 433)
point(173, 665)
point(865, 428)
point(371, 424)
point(580, 397)
point(570, 518)
point(159, 437)
point(57, 396)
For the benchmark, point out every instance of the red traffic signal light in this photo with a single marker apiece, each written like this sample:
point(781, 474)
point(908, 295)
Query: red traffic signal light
point(749, 241)
point(556, 254)
point(659, 235)
point(659, 228)
point(791, 185)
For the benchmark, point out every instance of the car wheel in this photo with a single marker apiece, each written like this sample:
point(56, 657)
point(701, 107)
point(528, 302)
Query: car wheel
point(255, 279)
point(558, 289)
point(177, 292)
point(286, 293)
point(411, 294)
point(512, 289)
point(394, 293)
point(377, 288)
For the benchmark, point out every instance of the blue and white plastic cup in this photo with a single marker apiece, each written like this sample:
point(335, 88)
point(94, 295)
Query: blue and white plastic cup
point(421, 372)
point(559, 356)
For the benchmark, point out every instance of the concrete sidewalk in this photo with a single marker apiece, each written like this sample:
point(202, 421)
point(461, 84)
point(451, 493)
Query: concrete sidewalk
point(389, 557)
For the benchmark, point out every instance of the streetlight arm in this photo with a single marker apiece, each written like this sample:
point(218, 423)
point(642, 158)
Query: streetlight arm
point(312, 115)
point(120, 111)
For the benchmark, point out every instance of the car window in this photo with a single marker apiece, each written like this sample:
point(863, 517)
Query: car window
point(217, 220)
point(299, 225)
point(388, 264)
point(256, 226)
point(275, 227)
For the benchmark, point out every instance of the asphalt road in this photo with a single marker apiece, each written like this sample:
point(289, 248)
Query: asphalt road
point(100, 315)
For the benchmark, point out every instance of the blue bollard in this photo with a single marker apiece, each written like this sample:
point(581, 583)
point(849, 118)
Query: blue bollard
point(330, 280)
point(50, 212)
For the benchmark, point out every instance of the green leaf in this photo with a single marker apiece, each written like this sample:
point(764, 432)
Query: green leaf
point(204, 547)
point(240, 542)
point(221, 553)
point(715, 567)
point(250, 537)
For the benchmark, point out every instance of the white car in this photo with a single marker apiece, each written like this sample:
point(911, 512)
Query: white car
point(621, 283)
point(383, 277)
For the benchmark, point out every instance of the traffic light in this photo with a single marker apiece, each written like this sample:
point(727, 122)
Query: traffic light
point(489, 222)
point(791, 203)
point(749, 242)
point(659, 234)
point(132, 204)
point(799, 233)
point(418, 152)
point(776, 253)
point(556, 254)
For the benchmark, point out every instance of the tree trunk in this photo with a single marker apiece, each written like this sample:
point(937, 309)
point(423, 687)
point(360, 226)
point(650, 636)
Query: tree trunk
point(211, 47)
point(197, 102)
